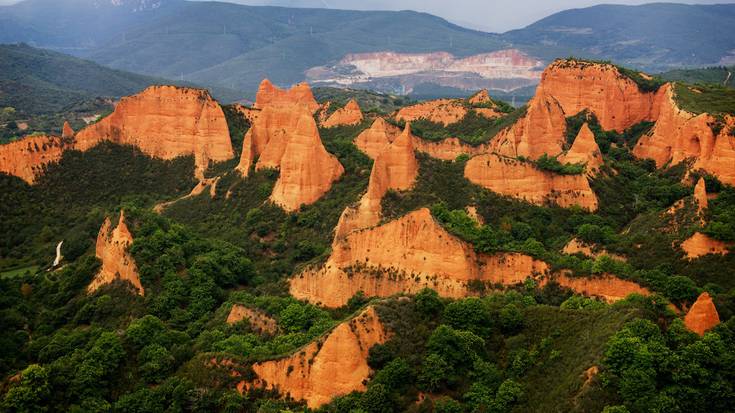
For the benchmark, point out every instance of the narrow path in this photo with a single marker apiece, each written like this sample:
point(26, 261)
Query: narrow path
point(729, 74)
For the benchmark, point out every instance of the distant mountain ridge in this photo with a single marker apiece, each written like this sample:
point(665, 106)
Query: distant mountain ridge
point(235, 46)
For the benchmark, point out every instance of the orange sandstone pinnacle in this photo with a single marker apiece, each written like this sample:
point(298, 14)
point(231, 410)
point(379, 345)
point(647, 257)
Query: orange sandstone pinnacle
point(703, 315)
point(333, 366)
point(117, 263)
point(346, 116)
point(374, 140)
point(67, 131)
point(268, 94)
point(584, 150)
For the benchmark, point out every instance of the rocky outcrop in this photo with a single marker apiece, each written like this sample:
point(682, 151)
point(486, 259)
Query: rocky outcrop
point(444, 111)
point(448, 149)
point(584, 150)
point(679, 135)
point(117, 263)
point(300, 94)
point(700, 196)
point(27, 157)
point(166, 122)
point(396, 169)
point(374, 140)
point(67, 131)
point(577, 246)
point(703, 315)
point(285, 137)
point(608, 287)
point(404, 256)
point(701, 244)
point(258, 320)
point(346, 116)
point(524, 181)
point(480, 98)
point(334, 365)
point(615, 99)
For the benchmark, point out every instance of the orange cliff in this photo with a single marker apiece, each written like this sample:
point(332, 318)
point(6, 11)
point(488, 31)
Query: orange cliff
point(700, 244)
point(405, 256)
point(346, 116)
point(27, 157)
point(615, 99)
point(524, 181)
point(334, 365)
point(258, 320)
point(679, 135)
point(395, 168)
point(117, 263)
point(700, 195)
point(300, 94)
point(286, 137)
point(374, 140)
point(444, 111)
point(610, 288)
point(703, 315)
point(67, 131)
point(584, 150)
point(166, 122)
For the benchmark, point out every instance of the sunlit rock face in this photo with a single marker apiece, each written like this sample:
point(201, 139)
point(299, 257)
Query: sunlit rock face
point(117, 263)
point(166, 122)
point(334, 365)
point(346, 116)
point(584, 150)
point(26, 158)
point(703, 315)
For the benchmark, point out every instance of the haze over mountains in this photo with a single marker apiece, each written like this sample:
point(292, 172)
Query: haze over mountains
point(235, 46)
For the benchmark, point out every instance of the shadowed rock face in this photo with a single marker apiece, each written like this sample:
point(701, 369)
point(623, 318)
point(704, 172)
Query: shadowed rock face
point(333, 366)
point(166, 122)
point(584, 150)
point(406, 255)
point(346, 116)
point(522, 180)
point(679, 135)
point(269, 95)
point(703, 315)
point(26, 158)
point(701, 244)
point(117, 263)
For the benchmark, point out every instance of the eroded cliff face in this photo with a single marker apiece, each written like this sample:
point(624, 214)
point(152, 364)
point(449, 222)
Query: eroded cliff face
point(584, 150)
point(346, 116)
point(615, 99)
point(166, 122)
point(679, 135)
point(608, 287)
point(117, 263)
point(395, 168)
point(444, 111)
point(701, 244)
point(286, 137)
point(522, 180)
point(300, 94)
point(27, 157)
point(577, 246)
point(448, 149)
point(258, 320)
point(700, 195)
point(703, 315)
point(67, 131)
point(406, 255)
point(374, 140)
point(332, 366)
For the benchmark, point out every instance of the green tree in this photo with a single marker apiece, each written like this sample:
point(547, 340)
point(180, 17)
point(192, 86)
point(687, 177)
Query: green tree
point(31, 394)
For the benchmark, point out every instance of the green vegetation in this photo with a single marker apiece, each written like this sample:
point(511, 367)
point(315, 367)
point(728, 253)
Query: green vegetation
point(369, 101)
point(716, 100)
point(721, 76)
point(552, 164)
point(605, 139)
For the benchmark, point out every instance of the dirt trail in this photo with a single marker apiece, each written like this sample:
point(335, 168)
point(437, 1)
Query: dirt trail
point(729, 75)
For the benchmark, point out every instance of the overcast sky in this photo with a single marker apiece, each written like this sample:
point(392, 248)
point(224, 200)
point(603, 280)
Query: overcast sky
point(489, 15)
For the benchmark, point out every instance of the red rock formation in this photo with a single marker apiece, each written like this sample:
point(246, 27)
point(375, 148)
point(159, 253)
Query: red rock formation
point(540, 131)
point(480, 98)
point(679, 135)
point(472, 213)
point(444, 111)
point(522, 180)
point(615, 99)
point(258, 320)
point(608, 287)
point(27, 157)
point(703, 315)
point(584, 150)
point(577, 246)
point(112, 250)
point(166, 122)
point(489, 113)
point(300, 94)
point(395, 168)
point(346, 116)
point(448, 149)
point(700, 196)
point(406, 255)
point(335, 365)
point(700, 244)
point(374, 140)
point(67, 131)
point(286, 137)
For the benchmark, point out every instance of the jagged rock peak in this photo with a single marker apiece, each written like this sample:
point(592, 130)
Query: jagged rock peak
point(346, 116)
point(117, 263)
point(300, 94)
point(700, 195)
point(703, 315)
point(67, 131)
point(585, 150)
